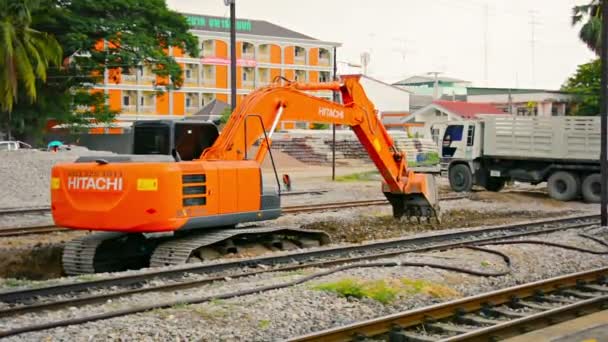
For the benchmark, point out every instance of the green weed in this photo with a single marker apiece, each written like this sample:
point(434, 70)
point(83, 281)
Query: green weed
point(360, 176)
point(385, 291)
point(378, 290)
point(263, 324)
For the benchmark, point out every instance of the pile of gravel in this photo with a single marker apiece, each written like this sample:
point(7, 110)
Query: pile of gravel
point(25, 174)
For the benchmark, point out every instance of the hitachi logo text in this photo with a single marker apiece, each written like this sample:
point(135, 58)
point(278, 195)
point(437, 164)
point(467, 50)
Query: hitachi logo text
point(90, 183)
point(331, 113)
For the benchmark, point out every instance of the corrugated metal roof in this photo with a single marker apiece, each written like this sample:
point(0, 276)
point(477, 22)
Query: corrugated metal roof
point(468, 109)
point(425, 79)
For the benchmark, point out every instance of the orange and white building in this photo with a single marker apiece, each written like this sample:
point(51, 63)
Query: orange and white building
point(264, 51)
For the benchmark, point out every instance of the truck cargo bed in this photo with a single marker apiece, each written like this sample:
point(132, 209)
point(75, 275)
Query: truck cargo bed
point(555, 138)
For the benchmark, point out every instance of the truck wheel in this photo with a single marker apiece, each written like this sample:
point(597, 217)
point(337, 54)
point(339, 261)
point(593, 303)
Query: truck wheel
point(564, 186)
point(592, 188)
point(461, 179)
point(495, 184)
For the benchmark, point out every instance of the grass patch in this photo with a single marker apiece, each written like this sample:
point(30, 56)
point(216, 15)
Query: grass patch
point(359, 176)
point(385, 291)
point(378, 290)
point(263, 324)
point(13, 282)
point(415, 286)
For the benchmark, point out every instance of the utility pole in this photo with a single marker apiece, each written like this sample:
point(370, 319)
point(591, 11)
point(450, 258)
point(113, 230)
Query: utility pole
point(533, 24)
point(333, 126)
point(231, 3)
point(436, 84)
point(604, 116)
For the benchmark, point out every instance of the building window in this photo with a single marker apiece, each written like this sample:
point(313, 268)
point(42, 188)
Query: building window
point(188, 102)
point(300, 52)
point(471, 135)
point(244, 76)
point(188, 73)
point(324, 76)
point(141, 101)
point(435, 135)
point(125, 100)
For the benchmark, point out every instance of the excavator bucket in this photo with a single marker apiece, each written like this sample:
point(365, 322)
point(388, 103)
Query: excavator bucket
point(419, 201)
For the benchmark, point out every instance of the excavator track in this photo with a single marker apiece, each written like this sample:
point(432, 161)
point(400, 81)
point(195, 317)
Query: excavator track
point(114, 252)
point(179, 251)
point(104, 252)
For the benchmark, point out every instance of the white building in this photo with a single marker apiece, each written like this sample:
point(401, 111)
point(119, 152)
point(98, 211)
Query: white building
point(392, 102)
point(523, 102)
point(421, 120)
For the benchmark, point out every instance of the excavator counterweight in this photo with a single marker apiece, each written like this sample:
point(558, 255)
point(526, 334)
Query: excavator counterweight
point(166, 208)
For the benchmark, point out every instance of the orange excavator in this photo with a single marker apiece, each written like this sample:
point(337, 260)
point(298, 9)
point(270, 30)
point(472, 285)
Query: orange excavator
point(155, 210)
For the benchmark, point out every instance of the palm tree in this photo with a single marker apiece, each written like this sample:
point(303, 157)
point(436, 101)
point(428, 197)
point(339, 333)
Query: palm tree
point(25, 53)
point(591, 30)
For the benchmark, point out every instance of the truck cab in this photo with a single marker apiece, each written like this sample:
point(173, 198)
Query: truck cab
point(461, 147)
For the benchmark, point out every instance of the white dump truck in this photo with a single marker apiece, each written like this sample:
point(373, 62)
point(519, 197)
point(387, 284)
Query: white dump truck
point(563, 151)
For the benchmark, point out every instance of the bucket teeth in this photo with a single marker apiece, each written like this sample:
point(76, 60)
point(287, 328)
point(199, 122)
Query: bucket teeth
point(413, 207)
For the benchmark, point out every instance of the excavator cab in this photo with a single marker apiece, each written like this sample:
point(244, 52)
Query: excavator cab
point(184, 140)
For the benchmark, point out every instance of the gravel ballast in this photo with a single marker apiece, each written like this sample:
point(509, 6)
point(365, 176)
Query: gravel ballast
point(26, 174)
point(301, 309)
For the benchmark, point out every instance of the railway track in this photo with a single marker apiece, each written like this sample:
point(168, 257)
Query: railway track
point(486, 317)
point(297, 209)
point(37, 299)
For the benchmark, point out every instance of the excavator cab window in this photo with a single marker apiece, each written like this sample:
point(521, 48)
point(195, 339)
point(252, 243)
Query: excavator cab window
point(151, 139)
point(186, 139)
point(192, 138)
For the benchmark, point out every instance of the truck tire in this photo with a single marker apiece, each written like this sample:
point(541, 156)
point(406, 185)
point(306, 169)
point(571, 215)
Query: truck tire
point(495, 184)
point(461, 178)
point(592, 188)
point(564, 186)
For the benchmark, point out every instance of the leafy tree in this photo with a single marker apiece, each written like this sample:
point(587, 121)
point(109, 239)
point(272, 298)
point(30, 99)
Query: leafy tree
point(586, 85)
point(591, 30)
point(103, 36)
point(225, 115)
point(26, 54)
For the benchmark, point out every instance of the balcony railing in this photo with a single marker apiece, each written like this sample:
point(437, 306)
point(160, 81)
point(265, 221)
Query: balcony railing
point(191, 80)
point(129, 77)
point(192, 110)
point(129, 109)
point(208, 53)
point(247, 84)
point(299, 60)
point(208, 82)
point(147, 109)
point(324, 61)
point(263, 58)
point(248, 55)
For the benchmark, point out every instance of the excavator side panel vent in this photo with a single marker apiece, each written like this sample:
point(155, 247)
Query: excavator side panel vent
point(194, 190)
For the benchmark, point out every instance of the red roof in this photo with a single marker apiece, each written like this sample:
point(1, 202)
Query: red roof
point(467, 109)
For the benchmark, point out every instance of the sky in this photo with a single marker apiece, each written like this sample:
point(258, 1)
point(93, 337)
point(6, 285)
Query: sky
point(487, 42)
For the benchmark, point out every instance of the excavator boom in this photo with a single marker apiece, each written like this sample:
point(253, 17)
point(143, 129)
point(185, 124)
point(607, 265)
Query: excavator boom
point(256, 118)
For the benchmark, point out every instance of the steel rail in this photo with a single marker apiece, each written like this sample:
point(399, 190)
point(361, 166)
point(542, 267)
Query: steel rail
point(296, 209)
point(304, 260)
point(397, 324)
point(30, 230)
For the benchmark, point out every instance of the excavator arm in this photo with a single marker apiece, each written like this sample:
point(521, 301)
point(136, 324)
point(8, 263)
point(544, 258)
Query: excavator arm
point(411, 194)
